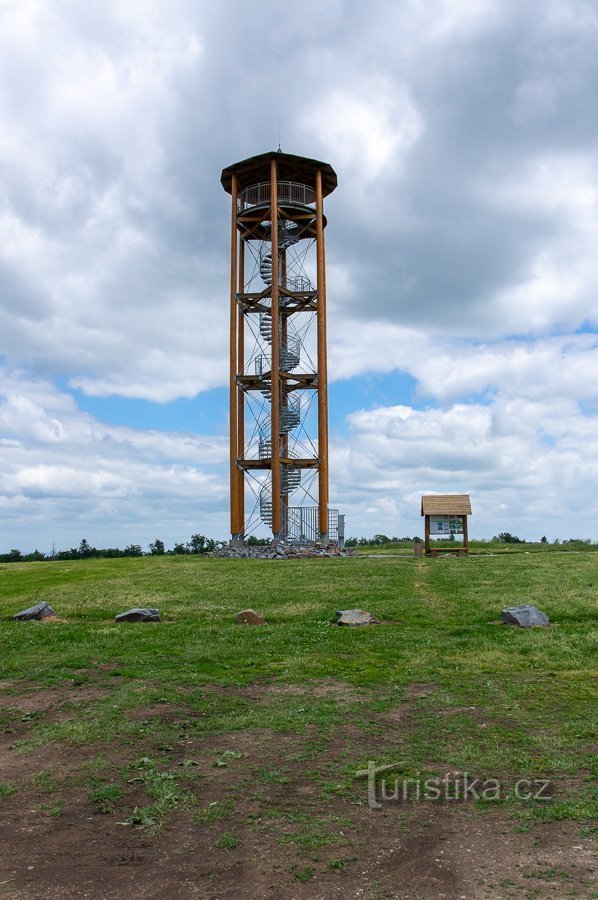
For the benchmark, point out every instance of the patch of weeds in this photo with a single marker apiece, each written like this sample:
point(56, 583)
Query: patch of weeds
point(45, 781)
point(53, 809)
point(271, 776)
point(227, 841)
point(225, 757)
point(105, 796)
point(312, 837)
point(337, 865)
point(215, 812)
point(141, 817)
point(548, 874)
point(303, 875)
point(7, 789)
point(142, 762)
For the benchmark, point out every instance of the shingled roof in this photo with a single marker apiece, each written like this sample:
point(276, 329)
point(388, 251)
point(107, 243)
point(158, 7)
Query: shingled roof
point(446, 505)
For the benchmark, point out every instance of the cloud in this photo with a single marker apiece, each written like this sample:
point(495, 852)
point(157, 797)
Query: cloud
point(460, 244)
point(64, 472)
point(526, 465)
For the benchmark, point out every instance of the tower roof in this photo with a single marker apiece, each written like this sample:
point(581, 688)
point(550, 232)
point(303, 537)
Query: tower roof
point(300, 169)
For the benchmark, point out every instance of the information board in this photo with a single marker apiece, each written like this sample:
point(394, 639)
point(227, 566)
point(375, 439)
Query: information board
point(446, 525)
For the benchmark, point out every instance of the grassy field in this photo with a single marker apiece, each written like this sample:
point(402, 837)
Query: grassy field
point(217, 760)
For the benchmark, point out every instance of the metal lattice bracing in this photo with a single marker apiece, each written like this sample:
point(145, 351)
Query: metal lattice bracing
point(278, 366)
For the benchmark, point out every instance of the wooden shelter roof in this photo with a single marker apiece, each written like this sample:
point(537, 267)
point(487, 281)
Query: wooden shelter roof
point(300, 169)
point(446, 505)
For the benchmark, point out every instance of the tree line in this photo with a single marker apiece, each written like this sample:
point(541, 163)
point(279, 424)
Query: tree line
point(197, 545)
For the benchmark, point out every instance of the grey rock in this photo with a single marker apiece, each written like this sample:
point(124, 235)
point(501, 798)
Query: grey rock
point(39, 611)
point(282, 551)
point(138, 614)
point(525, 616)
point(249, 617)
point(355, 617)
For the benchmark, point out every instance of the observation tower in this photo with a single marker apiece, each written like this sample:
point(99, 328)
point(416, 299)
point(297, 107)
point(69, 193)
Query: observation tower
point(278, 365)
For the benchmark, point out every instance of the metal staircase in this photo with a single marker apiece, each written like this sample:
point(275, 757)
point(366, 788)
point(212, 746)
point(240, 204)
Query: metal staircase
point(289, 357)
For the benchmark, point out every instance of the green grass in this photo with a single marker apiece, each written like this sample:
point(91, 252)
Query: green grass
point(507, 702)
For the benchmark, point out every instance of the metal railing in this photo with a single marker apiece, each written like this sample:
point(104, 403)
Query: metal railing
point(301, 526)
point(288, 192)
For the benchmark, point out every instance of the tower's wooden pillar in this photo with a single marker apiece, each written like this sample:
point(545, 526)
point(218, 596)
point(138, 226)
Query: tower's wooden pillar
point(322, 366)
point(275, 364)
point(236, 516)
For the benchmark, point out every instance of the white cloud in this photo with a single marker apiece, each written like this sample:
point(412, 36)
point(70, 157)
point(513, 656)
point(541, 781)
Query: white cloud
point(461, 243)
point(536, 475)
point(126, 483)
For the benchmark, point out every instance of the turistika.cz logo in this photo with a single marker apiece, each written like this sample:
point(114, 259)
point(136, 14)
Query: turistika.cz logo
point(451, 787)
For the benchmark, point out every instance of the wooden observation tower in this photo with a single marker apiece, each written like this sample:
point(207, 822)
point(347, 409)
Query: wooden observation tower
point(278, 369)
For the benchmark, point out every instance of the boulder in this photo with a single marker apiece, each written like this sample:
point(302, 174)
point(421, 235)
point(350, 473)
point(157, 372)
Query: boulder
point(249, 617)
point(138, 614)
point(355, 617)
point(39, 611)
point(525, 616)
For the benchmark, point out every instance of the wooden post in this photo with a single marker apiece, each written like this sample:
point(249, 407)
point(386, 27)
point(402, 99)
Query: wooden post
point(427, 534)
point(322, 366)
point(284, 394)
point(240, 393)
point(465, 534)
point(234, 443)
point(275, 366)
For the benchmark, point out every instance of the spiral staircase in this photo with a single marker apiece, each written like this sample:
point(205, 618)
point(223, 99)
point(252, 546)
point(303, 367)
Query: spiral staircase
point(289, 357)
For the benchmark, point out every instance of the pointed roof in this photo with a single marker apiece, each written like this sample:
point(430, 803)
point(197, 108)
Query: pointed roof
point(301, 169)
point(446, 505)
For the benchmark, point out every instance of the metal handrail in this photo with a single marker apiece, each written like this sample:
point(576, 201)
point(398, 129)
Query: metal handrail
point(288, 192)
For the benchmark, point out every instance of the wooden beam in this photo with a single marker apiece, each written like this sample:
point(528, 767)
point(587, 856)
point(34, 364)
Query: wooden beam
point(240, 393)
point(306, 463)
point(233, 421)
point(275, 383)
point(322, 365)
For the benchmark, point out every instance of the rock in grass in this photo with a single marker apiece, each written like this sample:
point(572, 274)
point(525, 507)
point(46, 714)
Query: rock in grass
point(39, 611)
point(525, 616)
point(355, 617)
point(249, 617)
point(138, 615)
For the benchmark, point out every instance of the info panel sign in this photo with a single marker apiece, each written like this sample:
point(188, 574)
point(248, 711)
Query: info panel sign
point(446, 525)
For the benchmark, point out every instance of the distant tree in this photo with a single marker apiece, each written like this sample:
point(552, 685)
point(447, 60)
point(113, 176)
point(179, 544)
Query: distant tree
point(36, 556)
point(133, 550)
point(505, 537)
point(14, 556)
point(253, 541)
point(179, 549)
point(197, 544)
point(86, 550)
point(543, 539)
point(156, 548)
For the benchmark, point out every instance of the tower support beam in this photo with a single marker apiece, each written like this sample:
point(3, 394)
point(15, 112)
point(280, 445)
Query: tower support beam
point(236, 523)
point(322, 366)
point(275, 364)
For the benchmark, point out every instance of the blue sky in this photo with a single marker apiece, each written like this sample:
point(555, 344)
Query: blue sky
point(461, 252)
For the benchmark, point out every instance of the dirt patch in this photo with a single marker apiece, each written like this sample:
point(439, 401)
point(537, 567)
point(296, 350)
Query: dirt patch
point(328, 689)
point(261, 815)
point(413, 692)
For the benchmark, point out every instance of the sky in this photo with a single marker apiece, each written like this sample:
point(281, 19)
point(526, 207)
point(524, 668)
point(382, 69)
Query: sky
point(461, 255)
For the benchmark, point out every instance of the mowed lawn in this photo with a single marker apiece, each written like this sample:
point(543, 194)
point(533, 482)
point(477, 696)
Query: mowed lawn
point(198, 757)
